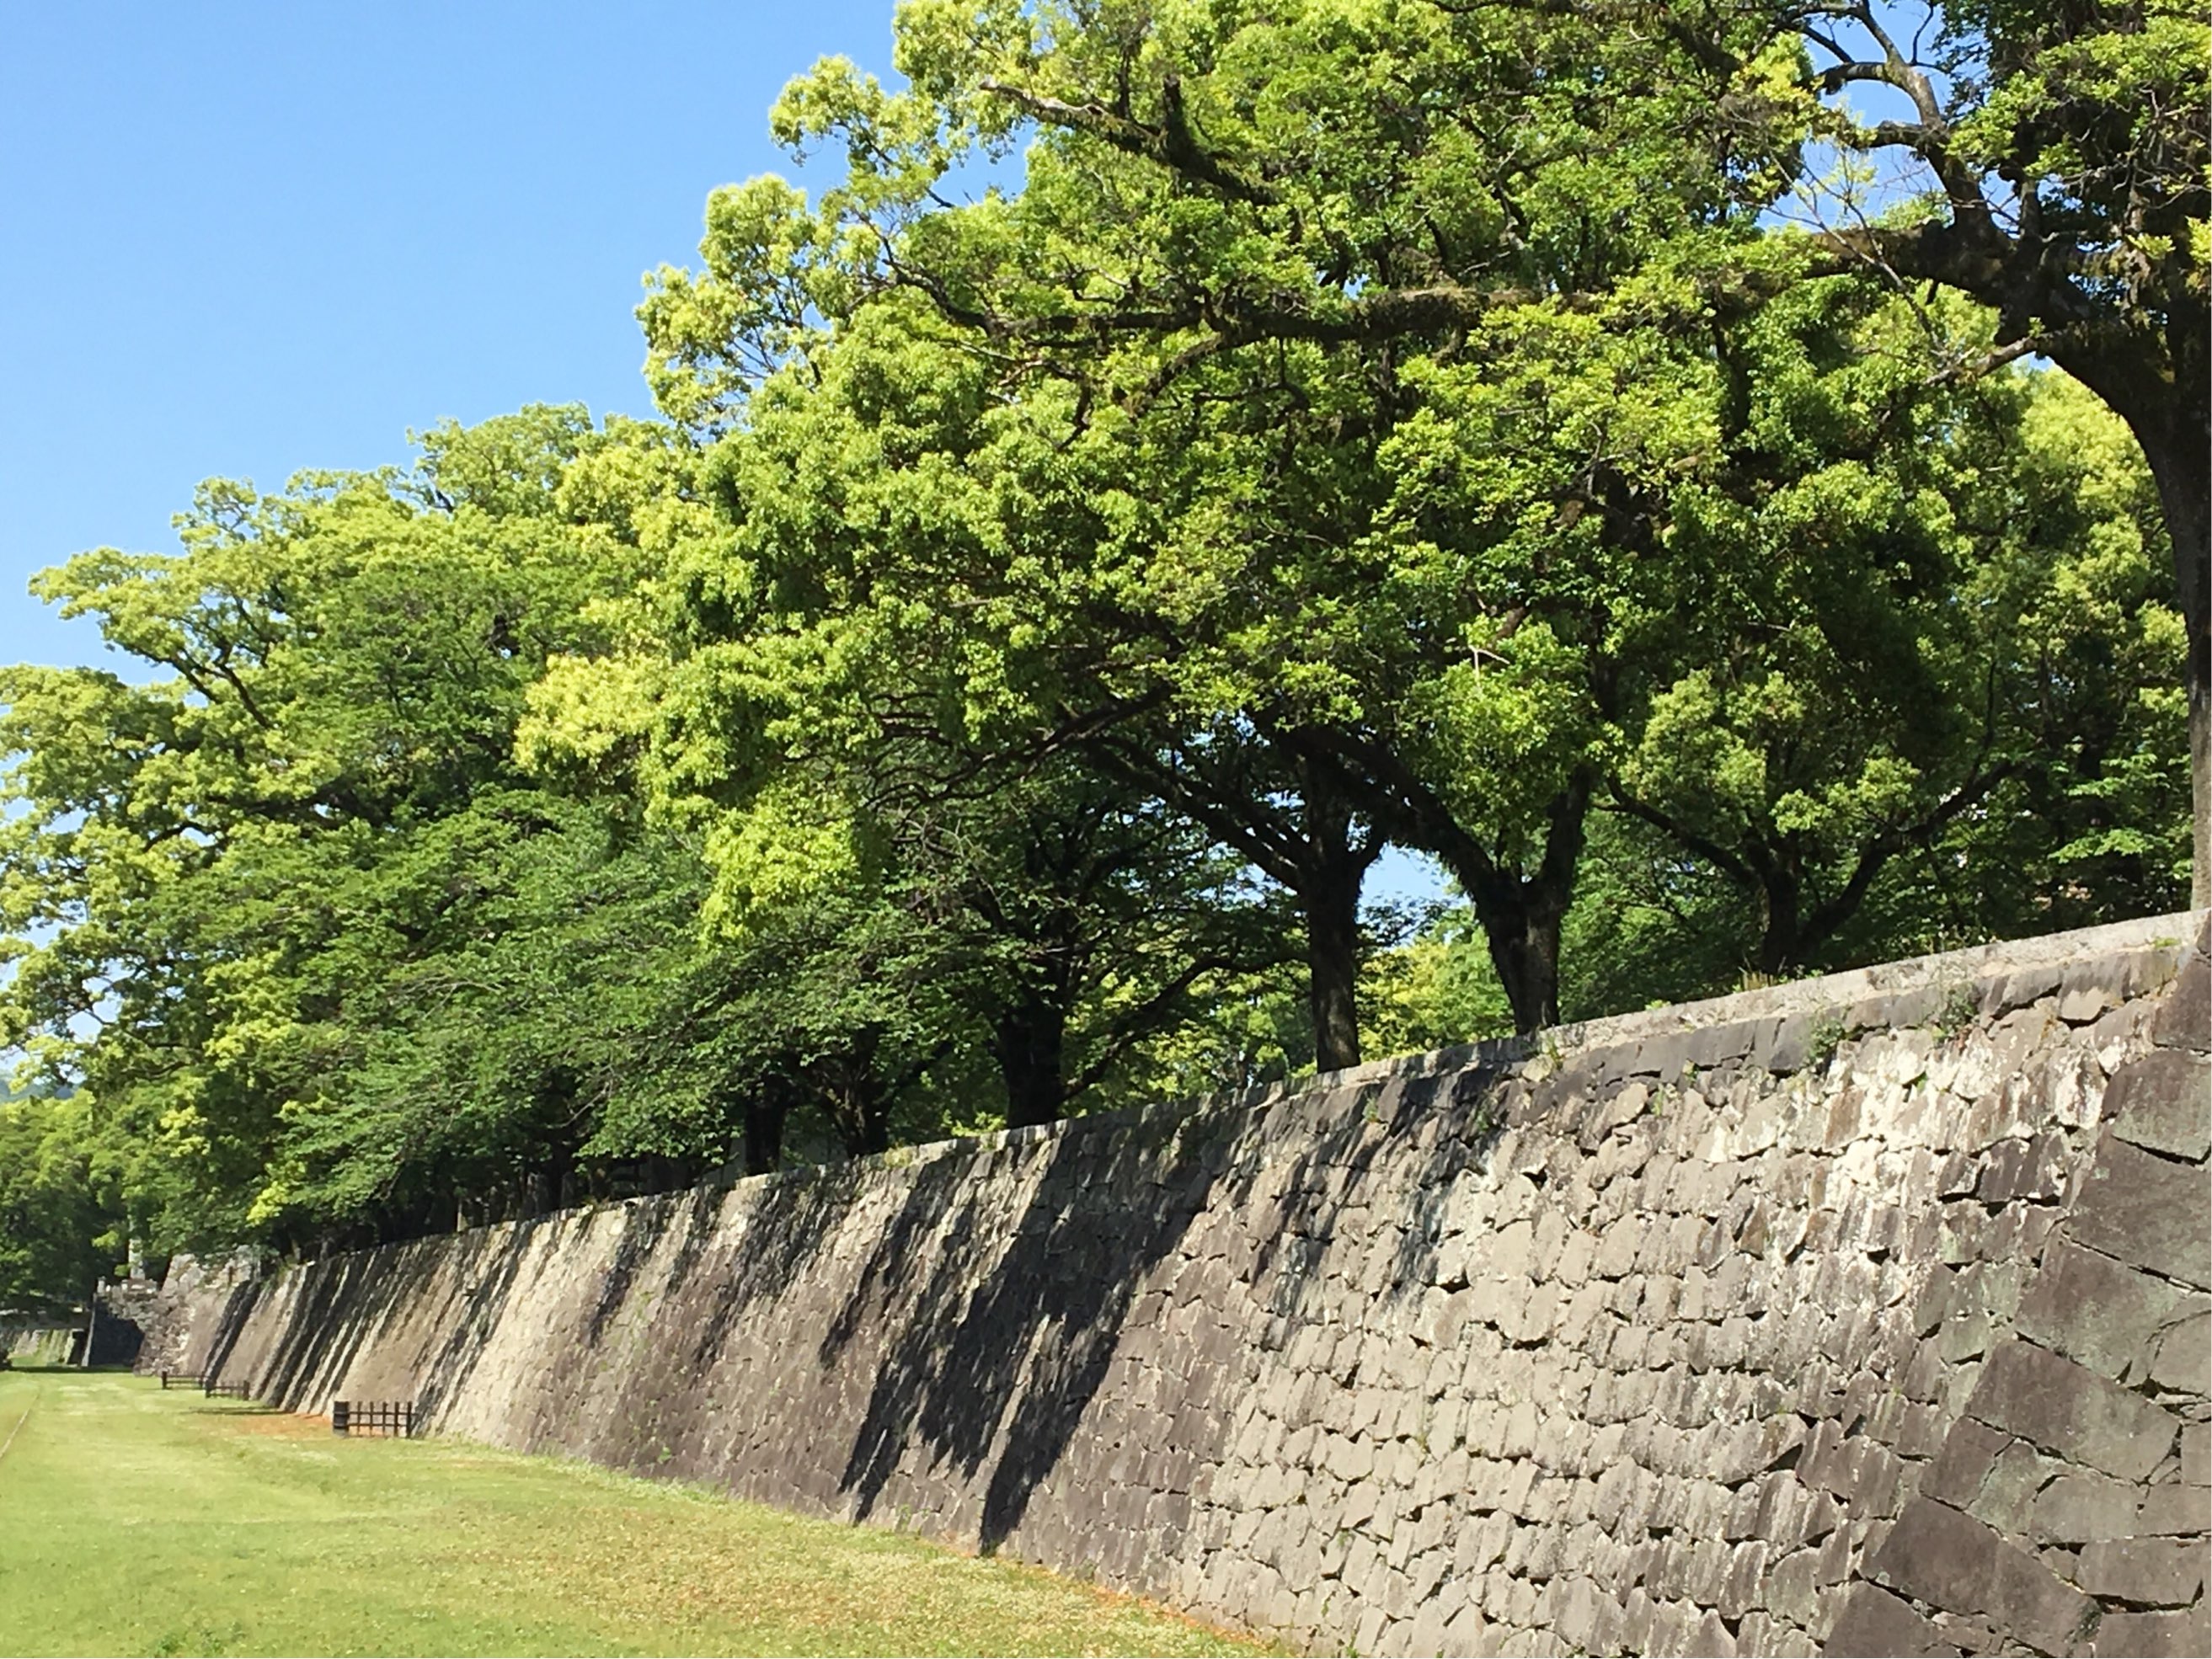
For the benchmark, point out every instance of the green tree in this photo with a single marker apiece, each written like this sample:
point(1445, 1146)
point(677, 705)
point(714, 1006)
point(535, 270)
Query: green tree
point(1242, 242)
point(60, 1230)
point(1383, 178)
point(1890, 633)
point(225, 861)
point(2062, 154)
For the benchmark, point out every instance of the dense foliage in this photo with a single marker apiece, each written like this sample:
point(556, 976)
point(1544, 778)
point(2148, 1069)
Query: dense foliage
point(1505, 433)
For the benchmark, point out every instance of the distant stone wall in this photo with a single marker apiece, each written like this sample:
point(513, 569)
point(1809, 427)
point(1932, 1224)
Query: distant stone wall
point(1850, 1311)
point(195, 1300)
point(28, 1344)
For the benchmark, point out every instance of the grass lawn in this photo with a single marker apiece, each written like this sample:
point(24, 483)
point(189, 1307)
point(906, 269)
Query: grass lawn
point(133, 1521)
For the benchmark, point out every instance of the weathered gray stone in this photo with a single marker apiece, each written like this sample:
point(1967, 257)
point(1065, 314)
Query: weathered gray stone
point(2069, 1410)
point(2196, 1455)
point(1466, 1632)
point(1177, 1342)
point(1798, 1039)
point(2155, 1572)
point(2185, 1020)
point(2081, 1506)
point(2162, 1101)
point(2183, 1363)
point(1937, 1555)
point(2021, 989)
point(1873, 1623)
point(2173, 1509)
point(2157, 1635)
point(2147, 1210)
point(2008, 1500)
point(2088, 989)
point(2094, 1310)
point(2022, 1168)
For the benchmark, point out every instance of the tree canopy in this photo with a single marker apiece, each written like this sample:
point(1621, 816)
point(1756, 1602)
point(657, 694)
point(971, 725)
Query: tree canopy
point(1190, 455)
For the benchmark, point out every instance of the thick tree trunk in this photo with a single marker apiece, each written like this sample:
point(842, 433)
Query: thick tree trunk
point(856, 1104)
point(1524, 948)
point(764, 1115)
point(550, 1184)
point(1521, 915)
point(1030, 1042)
point(2171, 420)
point(1332, 869)
point(1331, 901)
point(1780, 941)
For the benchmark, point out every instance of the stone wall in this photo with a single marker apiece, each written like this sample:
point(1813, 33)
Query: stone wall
point(34, 1343)
point(2070, 1504)
point(1723, 1328)
point(191, 1302)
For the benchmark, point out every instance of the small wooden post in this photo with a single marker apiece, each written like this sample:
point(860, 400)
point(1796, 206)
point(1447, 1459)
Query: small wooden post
point(341, 1417)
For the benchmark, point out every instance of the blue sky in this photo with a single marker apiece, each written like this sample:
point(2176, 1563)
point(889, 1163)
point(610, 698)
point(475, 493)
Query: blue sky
point(241, 240)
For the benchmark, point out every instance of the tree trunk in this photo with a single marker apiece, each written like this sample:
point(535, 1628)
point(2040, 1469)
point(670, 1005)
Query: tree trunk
point(1030, 1041)
point(862, 1115)
point(765, 1114)
point(2170, 419)
point(1332, 868)
point(1524, 948)
point(1331, 902)
point(1520, 915)
point(1781, 941)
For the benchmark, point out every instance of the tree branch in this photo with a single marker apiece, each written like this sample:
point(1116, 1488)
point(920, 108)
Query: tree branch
point(1171, 144)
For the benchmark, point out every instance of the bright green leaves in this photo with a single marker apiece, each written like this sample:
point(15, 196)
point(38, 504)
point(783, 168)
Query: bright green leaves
point(769, 280)
point(59, 1233)
point(1361, 421)
point(239, 859)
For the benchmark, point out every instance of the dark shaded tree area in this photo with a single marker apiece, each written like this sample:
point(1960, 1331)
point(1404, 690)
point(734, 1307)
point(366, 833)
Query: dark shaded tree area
point(1506, 433)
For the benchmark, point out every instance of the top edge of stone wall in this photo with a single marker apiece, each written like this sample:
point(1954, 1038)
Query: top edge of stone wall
point(2169, 934)
point(1854, 988)
point(1972, 965)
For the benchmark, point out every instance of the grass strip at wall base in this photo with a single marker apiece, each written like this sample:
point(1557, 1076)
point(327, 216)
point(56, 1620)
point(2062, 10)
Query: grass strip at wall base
point(133, 1521)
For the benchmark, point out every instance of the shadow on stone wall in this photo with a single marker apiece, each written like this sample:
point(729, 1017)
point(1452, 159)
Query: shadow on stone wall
point(1002, 1342)
point(1635, 1343)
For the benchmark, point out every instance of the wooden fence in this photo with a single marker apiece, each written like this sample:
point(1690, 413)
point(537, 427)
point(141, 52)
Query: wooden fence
point(348, 1416)
point(392, 1416)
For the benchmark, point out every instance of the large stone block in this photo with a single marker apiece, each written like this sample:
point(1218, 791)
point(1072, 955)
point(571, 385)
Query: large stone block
point(2147, 1210)
point(2162, 1101)
point(1873, 1623)
point(2185, 1020)
point(2157, 1635)
point(2174, 1508)
point(2094, 1310)
point(2087, 989)
point(2068, 1410)
point(2183, 1363)
point(2083, 1506)
point(2152, 1572)
point(1948, 1559)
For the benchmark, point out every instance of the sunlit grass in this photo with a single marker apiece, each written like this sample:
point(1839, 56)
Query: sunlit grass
point(136, 1522)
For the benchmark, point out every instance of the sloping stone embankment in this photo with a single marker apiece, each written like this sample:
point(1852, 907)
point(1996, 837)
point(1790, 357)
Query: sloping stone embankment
point(1867, 1311)
point(2069, 1507)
